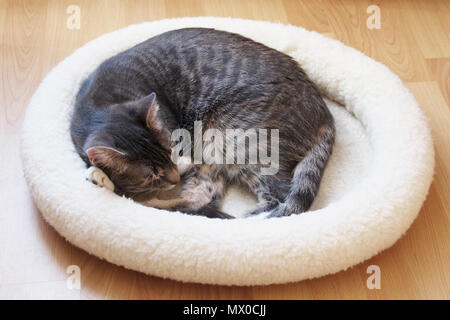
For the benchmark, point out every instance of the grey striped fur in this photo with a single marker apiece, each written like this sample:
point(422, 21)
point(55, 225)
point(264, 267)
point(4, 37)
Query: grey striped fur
point(126, 109)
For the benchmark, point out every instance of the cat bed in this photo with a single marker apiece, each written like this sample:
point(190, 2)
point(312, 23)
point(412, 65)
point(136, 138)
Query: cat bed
point(375, 183)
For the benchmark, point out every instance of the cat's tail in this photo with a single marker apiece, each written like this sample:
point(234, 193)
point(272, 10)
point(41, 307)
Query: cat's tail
point(308, 174)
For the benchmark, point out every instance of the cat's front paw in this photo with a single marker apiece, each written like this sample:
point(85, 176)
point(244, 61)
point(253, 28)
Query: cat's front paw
point(99, 178)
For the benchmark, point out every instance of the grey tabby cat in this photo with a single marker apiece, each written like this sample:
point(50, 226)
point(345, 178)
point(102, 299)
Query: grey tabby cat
point(128, 107)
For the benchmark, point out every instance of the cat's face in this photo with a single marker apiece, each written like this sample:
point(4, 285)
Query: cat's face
point(133, 149)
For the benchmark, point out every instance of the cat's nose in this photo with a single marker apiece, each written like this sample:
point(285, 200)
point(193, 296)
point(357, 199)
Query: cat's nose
point(172, 176)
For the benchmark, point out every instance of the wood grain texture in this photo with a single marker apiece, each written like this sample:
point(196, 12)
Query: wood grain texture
point(413, 42)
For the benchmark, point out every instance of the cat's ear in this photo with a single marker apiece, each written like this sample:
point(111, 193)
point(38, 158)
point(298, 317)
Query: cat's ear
point(152, 114)
point(155, 121)
point(101, 156)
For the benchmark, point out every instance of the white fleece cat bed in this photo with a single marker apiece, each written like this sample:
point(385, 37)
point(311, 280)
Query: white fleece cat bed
point(375, 183)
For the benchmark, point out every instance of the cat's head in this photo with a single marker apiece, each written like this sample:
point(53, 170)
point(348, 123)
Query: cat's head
point(133, 148)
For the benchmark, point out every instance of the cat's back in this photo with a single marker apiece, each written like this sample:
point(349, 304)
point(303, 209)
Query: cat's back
point(214, 50)
point(199, 71)
point(194, 54)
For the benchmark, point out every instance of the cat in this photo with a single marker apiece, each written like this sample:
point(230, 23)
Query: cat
point(127, 109)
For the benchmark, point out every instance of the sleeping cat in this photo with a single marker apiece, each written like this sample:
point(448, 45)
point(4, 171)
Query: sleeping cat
point(128, 108)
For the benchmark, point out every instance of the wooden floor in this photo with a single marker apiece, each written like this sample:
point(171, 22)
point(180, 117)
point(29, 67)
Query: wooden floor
point(414, 42)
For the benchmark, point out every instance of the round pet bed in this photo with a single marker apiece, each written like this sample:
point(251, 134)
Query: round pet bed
point(373, 188)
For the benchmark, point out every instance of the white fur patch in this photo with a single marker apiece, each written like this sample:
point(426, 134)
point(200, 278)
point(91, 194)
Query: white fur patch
point(99, 178)
point(184, 164)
